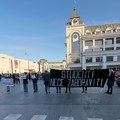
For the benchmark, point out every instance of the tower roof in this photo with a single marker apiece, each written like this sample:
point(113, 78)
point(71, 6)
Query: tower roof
point(75, 14)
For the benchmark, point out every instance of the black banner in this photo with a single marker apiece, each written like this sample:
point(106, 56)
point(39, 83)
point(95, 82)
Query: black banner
point(78, 78)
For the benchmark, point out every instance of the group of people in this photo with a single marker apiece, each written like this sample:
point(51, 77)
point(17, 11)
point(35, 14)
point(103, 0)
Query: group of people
point(110, 83)
point(46, 77)
point(13, 79)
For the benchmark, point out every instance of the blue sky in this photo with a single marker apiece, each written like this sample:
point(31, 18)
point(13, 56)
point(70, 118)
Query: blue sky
point(37, 27)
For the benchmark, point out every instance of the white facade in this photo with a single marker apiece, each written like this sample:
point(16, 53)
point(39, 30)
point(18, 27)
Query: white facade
point(10, 65)
point(45, 65)
point(92, 47)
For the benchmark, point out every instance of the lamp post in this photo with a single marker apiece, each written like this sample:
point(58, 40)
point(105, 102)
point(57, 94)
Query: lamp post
point(27, 60)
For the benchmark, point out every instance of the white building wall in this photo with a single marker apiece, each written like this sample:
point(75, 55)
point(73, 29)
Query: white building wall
point(7, 65)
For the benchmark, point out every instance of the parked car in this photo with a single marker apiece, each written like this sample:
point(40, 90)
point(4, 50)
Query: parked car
point(117, 78)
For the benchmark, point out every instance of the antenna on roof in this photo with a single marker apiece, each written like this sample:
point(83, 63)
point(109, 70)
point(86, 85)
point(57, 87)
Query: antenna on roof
point(74, 3)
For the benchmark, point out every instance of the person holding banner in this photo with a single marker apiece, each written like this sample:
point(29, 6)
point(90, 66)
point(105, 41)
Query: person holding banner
point(67, 87)
point(58, 89)
point(46, 78)
point(110, 82)
point(84, 86)
point(7, 81)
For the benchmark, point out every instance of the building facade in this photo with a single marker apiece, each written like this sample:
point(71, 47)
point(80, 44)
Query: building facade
point(11, 65)
point(92, 47)
point(45, 65)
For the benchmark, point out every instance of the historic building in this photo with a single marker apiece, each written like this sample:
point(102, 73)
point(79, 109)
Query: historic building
point(92, 47)
point(45, 65)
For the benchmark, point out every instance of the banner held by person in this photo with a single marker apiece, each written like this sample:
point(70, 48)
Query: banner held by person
point(7, 81)
point(76, 78)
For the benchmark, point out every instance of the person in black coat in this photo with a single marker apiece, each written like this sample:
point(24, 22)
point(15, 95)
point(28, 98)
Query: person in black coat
point(46, 78)
point(110, 82)
point(25, 82)
point(34, 79)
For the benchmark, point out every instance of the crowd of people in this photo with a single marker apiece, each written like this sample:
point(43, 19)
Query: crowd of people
point(25, 77)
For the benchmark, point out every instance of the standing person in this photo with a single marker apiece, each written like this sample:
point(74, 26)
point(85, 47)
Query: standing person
point(14, 79)
point(67, 87)
point(110, 82)
point(46, 78)
point(25, 82)
point(8, 81)
point(34, 79)
point(58, 89)
point(84, 86)
point(17, 77)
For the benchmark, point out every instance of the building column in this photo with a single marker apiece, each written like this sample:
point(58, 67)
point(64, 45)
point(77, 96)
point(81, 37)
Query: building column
point(103, 44)
point(83, 44)
point(93, 42)
point(83, 63)
point(94, 59)
point(114, 43)
point(104, 62)
point(115, 58)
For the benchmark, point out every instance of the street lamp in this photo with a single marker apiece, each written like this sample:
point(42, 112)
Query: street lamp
point(27, 60)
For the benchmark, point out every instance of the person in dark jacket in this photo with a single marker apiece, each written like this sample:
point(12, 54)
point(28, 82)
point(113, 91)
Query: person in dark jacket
point(34, 79)
point(84, 86)
point(46, 78)
point(110, 82)
point(25, 82)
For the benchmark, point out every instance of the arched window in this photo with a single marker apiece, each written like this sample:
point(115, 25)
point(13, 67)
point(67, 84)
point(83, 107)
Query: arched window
point(75, 40)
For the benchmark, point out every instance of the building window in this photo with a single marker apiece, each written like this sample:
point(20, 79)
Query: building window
point(99, 42)
point(88, 59)
point(109, 41)
point(108, 31)
point(109, 58)
point(118, 30)
point(118, 58)
point(98, 59)
point(75, 41)
point(110, 48)
point(76, 60)
point(98, 32)
point(89, 43)
point(117, 48)
point(88, 50)
point(118, 40)
point(88, 33)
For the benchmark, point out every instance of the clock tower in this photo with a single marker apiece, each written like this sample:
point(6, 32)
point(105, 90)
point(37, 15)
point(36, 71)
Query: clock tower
point(74, 31)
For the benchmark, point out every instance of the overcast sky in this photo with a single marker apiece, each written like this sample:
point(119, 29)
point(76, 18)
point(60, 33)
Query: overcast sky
point(37, 27)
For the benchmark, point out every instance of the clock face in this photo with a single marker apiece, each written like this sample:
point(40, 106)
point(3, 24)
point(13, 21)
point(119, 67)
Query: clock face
point(75, 21)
